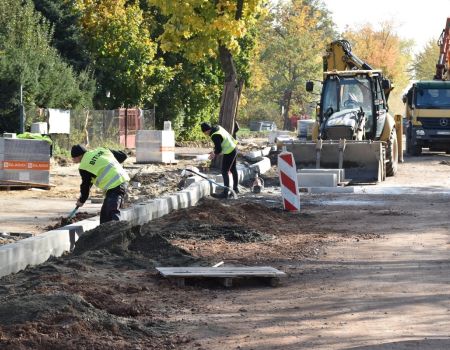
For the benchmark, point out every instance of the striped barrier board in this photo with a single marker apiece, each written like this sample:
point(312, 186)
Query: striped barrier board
point(288, 181)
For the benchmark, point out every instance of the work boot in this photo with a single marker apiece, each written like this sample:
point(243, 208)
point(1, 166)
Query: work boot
point(236, 190)
point(221, 195)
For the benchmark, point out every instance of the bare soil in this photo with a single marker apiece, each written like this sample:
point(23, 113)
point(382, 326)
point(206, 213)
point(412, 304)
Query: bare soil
point(364, 271)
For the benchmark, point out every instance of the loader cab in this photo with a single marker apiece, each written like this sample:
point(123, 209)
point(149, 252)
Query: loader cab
point(362, 90)
point(341, 93)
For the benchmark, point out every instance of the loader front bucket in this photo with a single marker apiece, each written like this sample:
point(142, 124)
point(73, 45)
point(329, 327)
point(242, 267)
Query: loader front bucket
point(363, 161)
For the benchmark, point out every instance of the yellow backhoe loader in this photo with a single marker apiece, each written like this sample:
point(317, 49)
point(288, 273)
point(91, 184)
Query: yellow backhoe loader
point(353, 129)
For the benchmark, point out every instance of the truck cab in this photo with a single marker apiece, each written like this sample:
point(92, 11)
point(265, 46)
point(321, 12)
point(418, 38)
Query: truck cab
point(428, 116)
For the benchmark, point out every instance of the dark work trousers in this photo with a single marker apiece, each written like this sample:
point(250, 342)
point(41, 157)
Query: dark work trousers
point(229, 165)
point(112, 203)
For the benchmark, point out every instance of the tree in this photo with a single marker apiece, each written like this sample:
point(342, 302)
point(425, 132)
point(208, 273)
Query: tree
point(203, 29)
point(123, 53)
point(292, 42)
point(383, 49)
point(424, 64)
point(67, 37)
point(28, 60)
point(190, 97)
point(193, 94)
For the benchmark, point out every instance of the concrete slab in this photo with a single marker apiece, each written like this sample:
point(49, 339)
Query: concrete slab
point(317, 180)
point(389, 190)
point(38, 249)
point(261, 167)
point(318, 190)
point(340, 173)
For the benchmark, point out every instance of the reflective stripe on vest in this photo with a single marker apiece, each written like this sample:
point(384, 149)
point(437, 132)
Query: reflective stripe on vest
point(228, 142)
point(105, 167)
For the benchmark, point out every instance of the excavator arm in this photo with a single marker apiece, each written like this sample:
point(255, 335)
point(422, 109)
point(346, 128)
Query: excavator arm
point(339, 56)
point(443, 64)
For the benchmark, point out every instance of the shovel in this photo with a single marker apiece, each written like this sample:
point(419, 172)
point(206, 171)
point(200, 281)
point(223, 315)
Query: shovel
point(213, 182)
point(70, 217)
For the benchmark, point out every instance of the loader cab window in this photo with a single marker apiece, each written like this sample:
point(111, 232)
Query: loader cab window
point(330, 93)
point(381, 108)
point(348, 93)
point(356, 93)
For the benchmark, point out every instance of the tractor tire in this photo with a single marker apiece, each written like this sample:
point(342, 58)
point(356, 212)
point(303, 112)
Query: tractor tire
point(392, 154)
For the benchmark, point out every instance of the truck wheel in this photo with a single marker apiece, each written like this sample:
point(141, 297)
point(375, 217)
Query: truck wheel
point(392, 154)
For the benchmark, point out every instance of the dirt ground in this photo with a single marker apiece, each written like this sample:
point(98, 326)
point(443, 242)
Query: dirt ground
point(365, 271)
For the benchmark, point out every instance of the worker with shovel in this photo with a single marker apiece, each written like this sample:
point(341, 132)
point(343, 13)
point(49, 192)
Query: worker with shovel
point(224, 144)
point(101, 167)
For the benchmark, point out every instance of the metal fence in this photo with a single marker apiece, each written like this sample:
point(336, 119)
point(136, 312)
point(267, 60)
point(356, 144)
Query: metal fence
point(108, 128)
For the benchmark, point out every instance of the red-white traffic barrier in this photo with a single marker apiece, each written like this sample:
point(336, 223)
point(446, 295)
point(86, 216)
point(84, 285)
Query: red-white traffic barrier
point(288, 180)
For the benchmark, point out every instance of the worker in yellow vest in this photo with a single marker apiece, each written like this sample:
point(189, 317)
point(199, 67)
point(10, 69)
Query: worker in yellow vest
point(224, 144)
point(101, 167)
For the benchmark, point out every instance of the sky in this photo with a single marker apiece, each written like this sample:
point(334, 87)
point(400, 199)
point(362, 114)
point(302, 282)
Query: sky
point(417, 20)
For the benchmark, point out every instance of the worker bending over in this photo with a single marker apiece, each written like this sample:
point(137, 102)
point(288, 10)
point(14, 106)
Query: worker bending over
point(224, 144)
point(101, 167)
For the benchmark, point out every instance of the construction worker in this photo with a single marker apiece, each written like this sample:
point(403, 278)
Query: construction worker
point(224, 144)
point(101, 167)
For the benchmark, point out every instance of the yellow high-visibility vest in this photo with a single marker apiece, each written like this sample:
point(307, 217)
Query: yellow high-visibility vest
point(228, 142)
point(107, 170)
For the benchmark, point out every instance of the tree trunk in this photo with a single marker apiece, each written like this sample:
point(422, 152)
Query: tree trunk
point(230, 96)
point(231, 91)
point(286, 104)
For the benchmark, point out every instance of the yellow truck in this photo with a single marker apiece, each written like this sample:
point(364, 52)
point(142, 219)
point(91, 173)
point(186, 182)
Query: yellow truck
point(427, 106)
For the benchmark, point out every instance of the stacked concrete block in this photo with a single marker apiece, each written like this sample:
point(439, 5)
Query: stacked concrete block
point(317, 180)
point(262, 166)
point(155, 146)
point(256, 156)
point(340, 173)
point(24, 160)
point(38, 249)
point(275, 134)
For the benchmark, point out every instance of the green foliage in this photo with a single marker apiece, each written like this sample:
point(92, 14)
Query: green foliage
point(27, 59)
point(383, 49)
point(123, 53)
point(291, 43)
point(60, 151)
point(259, 109)
point(191, 97)
point(424, 64)
point(197, 30)
point(196, 27)
point(245, 55)
point(67, 38)
point(245, 133)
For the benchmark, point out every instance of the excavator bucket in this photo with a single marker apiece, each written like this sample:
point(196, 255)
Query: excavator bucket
point(362, 161)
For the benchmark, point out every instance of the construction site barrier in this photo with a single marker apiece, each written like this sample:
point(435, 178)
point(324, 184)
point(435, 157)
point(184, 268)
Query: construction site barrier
point(288, 181)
